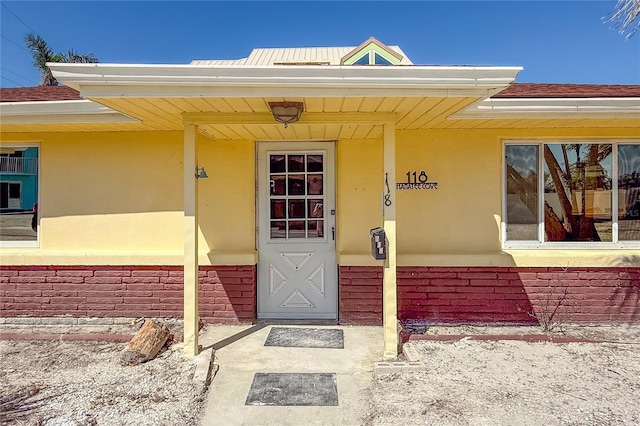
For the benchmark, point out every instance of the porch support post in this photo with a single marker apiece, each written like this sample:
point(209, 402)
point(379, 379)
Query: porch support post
point(190, 243)
point(389, 287)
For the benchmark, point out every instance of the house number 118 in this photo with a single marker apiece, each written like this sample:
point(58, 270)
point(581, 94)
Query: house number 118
point(417, 178)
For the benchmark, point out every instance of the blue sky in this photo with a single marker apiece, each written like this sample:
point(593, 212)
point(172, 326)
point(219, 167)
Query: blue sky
point(555, 41)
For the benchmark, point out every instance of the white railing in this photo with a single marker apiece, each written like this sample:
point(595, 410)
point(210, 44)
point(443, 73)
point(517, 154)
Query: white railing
point(19, 165)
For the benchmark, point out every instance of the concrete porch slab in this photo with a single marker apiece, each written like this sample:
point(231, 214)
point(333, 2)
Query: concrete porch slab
point(240, 354)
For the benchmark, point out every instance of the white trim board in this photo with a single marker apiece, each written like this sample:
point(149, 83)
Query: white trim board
point(75, 111)
point(537, 108)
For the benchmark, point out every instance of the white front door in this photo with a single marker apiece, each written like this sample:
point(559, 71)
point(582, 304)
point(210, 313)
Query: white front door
point(297, 270)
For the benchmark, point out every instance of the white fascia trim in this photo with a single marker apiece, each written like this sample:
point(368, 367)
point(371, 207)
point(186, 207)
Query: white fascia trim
point(75, 111)
point(551, 108)
point(118, 80)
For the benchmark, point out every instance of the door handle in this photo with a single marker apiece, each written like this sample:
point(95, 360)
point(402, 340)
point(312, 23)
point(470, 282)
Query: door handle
point(333, 233)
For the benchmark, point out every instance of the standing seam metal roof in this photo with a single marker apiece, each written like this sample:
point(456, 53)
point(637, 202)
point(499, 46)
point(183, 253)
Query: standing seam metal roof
point(265, 57)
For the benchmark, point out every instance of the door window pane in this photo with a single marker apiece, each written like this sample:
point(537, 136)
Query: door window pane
point(314, 163)
point(296, 184)
point(296, 209)
point(296, 163)
point(278, 229)
point(296, 229)
point(522, 192)
point(277, 209)
point(628, 192)
point(276, 164)
point(314, 183)
point(277, 184)
point(315, 229)
point(316, 208)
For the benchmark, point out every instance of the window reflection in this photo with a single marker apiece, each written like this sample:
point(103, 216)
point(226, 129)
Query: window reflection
point(314, 184)
point(296, 229)
point(278, 229)
point(522, 192)
point(314, 163)
point(276, 164)
point(296, 163)
point(316, 208)
point(315, 229)
point(277, 209)
point(628, 192)
point(277, 185)
point(293, 179)
point(296, 184)
point(296, 209)
point(577, 187)
point(18, 193)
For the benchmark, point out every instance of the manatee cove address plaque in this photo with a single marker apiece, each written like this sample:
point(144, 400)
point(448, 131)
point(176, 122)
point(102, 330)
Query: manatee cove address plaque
point(417, 180)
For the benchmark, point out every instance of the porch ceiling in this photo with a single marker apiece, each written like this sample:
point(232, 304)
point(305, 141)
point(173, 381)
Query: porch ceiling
point(167, 114)
point(410, 113)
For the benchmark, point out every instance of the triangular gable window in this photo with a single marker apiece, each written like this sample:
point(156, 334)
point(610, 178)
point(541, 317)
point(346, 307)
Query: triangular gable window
point(372, 52)
point(364, 60)
point(379, 60)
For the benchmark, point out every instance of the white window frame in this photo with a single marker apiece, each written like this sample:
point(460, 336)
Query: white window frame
point(541, 243)
point(36, 242)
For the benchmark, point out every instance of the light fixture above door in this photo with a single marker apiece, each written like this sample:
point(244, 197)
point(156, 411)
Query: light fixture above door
point(286, 112)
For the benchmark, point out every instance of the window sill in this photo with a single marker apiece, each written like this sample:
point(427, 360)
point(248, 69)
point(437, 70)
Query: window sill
point(506, 258)
point(19, 244)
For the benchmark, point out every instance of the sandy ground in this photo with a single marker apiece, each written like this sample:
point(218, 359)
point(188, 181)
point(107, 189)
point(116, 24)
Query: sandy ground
point(60, 383)
point(471, 382)
point(465, 382)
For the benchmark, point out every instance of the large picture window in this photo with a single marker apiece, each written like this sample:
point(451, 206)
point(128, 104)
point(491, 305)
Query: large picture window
point(585, 194)
point(19, 196)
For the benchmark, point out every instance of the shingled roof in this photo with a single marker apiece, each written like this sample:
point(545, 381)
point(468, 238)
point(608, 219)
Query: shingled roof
point(544, 90)
point(39, 93)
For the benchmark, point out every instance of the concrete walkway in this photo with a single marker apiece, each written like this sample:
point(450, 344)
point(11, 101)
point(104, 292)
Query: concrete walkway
point(240, 354)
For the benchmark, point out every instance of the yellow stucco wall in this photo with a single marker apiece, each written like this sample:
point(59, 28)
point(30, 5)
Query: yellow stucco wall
point(227, 198)
point(459, 223)
point(461, 214)
point(117, 198)
point(359, 200)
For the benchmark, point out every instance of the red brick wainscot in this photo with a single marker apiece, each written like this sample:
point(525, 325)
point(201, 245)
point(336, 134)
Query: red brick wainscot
point(494, 294)
point(227, 294)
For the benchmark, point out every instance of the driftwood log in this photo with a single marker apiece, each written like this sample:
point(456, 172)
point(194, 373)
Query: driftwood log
point(147, 342)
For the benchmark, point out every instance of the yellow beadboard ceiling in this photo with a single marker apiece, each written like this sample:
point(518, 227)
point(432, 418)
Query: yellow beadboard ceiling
point(411, 113)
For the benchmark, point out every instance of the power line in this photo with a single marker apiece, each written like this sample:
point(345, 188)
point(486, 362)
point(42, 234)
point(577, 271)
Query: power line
point(13, 42)
point(18, 18)
point(17, 75)
point(13, 81)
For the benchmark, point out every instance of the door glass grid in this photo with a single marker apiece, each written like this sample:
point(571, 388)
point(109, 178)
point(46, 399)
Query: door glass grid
point(296, 196)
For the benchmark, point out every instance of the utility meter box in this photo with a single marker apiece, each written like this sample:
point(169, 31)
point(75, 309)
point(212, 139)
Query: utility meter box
point(378, 244)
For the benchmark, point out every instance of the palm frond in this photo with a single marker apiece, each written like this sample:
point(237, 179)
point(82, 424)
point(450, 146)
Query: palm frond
point(71, 56)
point(42, 54)
point(624, 17)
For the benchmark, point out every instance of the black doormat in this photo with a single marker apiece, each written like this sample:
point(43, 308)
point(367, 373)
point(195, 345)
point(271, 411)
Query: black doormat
point(290, 337)
point(293, 389)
